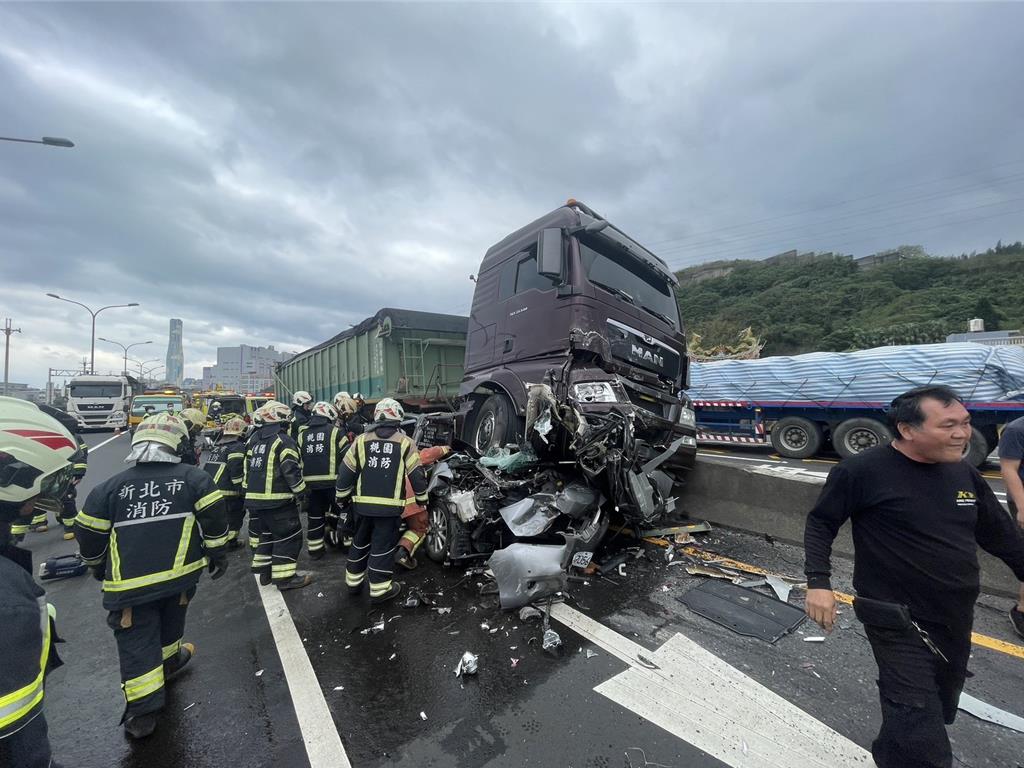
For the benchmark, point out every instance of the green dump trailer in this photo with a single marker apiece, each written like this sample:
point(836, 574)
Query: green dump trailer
point(415, 357)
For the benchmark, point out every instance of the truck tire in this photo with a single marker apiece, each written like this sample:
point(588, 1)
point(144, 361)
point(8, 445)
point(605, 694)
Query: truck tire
point(796, 438)
point(494, 424)
point(978, 449)
point(856, 435)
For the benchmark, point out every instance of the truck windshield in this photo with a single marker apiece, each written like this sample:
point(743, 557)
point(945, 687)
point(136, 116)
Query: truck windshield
point(623, 276)
point(95, 390)
point(158, 404)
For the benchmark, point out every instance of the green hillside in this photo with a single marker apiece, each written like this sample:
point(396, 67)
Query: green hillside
point(829, 303)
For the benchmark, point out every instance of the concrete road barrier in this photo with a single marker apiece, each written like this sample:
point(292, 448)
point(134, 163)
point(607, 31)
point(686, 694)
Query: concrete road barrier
point(775, 499)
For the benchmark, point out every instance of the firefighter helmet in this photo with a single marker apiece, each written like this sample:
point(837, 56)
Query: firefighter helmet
point(234, 426)
point(344, 404)
point(273, 412)
point(302, 398)
point(35, 453)
point(326, 410)
point(194, 418)
point(388, 409)
point(167, 428)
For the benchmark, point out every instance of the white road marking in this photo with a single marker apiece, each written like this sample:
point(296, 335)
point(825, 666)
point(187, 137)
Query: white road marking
point(761, 459)
point(323, 744)
point(700, 699)
point(108, 440)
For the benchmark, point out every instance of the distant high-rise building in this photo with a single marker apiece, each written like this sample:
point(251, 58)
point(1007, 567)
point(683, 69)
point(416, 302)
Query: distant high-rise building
point(175, 366)
point(243, 368)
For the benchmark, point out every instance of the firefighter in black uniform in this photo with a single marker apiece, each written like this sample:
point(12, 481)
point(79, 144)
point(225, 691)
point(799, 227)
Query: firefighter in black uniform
point(302, 408)
point(371, 484)
point(196, 422)
point(226, 465)
point(322, 446)
point(170, 523)
point(79, 465)
point(274, 491)
point(34, 469)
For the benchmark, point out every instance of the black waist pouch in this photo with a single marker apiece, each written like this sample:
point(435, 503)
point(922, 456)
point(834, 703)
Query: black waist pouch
point(879, 613)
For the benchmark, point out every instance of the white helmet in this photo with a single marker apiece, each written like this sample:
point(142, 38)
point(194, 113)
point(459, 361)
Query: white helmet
point(326, 410)
point(302, 398)
point(273, 412)
point(35, 453)
point(388, 409)
point(166, 428)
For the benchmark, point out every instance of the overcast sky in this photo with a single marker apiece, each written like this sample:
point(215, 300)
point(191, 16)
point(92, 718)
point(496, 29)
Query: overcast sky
point(272, 173)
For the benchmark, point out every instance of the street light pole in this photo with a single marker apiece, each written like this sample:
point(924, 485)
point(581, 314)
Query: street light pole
point(50, 141)
point(122, 346)
point(92, 346)
point(7, 348)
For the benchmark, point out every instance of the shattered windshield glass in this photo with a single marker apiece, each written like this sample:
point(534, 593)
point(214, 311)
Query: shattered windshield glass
point(623, 276)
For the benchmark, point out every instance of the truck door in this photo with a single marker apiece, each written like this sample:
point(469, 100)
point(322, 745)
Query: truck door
point(526, 324)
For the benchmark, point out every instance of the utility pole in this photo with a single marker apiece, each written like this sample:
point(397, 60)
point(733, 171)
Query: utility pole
point(7, 349)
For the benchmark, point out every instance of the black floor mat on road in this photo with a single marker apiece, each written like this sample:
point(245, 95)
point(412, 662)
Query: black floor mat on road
point(742, 610)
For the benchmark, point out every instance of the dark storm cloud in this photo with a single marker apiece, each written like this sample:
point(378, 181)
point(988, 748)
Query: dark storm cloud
point(271, 173)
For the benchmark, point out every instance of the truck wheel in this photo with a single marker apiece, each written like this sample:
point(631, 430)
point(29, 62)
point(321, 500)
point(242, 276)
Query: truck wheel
point(796, 438)
point(439, 531)
point(493, 426)
point(856, 435)
point(978, 449)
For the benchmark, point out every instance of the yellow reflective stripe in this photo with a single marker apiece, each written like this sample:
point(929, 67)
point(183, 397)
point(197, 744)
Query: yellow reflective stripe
point(95, 523)
point(361, 461)
point(318, 477)
point(411, 536)
point(268, 483)
point(332, 467)
point(119, 585)
point(171, 650)
point(17, 704)
point(143, 685)
point(379, 588)
point(354, 579)
point(214, 542)
point(289, 452)
point(236, 456)
point(115, 560)
point(381, 500)
point(268, 496)
point(220, 471)
point(207, 500)
point(183, 542)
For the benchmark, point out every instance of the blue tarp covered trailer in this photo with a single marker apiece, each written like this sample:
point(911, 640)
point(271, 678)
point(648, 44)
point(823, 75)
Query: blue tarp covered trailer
point(800, 403)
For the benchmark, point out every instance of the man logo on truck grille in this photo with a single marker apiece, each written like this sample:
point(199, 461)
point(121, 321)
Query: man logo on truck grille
point(639, 353)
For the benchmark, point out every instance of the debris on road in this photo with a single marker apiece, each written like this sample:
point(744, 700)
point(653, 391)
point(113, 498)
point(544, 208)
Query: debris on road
point(467, 664)
point(552, 642)
point(591, 654)
point(423, 715)
point(259, 673)
point(339, 687)
point(780, 587)
point(743, 611)
point(989, 713)
point(815, 639)
point(528, 612)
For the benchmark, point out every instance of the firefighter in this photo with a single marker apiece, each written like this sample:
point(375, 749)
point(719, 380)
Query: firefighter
point(225, 464)
point(371, 485)
point(170, 523)
point(302, 406)
point(79, 465)
point(322, 446)
point(415, 514)
point(196, 422)
point(214, 412)
point(35, 470)
point(274, 491)
point(254, 520)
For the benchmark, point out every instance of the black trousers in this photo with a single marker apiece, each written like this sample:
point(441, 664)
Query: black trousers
point(28, 747)
point(373, 551)
point(236, 514)
point(280, 542)
point(148, 638)
point(320, 501)
point(919, 693)
point(70, 508)
point(254, 530)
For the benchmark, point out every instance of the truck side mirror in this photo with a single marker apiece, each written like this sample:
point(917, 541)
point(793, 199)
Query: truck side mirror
point(549, 253)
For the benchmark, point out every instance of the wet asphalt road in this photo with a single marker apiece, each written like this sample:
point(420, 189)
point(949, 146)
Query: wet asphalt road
point(234, 705)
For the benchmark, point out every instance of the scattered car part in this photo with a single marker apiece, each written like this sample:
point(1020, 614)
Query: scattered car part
point(742, 610)
point(467, 664)
point(702, 527)
point(984, 711)
point(552, 642)
point(779, 587)
point(527, 572)
point(528, 612)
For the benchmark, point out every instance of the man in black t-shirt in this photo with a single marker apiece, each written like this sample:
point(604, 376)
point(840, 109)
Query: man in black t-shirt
point(1011, 466)
point(919, 514)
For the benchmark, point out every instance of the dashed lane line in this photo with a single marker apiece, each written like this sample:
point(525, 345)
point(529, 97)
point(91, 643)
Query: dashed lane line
point(702, 700)
point(108, 440)
point(323, 744)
